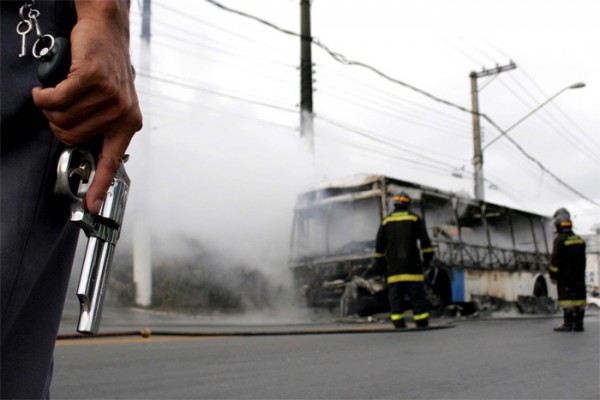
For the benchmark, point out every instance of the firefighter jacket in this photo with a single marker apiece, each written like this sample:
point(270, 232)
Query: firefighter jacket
point(397, 247)
point(568, 269)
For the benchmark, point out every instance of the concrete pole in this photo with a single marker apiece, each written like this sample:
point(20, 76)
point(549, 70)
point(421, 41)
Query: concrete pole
point(142, 238)
point(477, 154)
point(477, 150)
point(146, 13)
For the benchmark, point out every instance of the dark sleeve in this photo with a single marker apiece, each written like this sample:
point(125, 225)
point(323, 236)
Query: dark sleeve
point(380, 247)
point(554, 260)
point(425, 242)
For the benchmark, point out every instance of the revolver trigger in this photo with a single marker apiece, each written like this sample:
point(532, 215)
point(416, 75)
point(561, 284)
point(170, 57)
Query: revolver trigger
point(83, 172)
point(75, 170)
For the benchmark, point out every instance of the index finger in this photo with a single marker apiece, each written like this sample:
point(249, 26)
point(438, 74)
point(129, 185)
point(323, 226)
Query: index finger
point(105, 172)
point(113, 148)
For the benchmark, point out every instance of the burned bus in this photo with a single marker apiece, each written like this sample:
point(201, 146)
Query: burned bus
point(487, 256)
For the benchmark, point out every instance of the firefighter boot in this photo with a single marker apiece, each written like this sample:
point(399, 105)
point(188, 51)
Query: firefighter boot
point(399, 324)
point(579, 312)
point(422, 323)
point(398, 320)
point(567, 326)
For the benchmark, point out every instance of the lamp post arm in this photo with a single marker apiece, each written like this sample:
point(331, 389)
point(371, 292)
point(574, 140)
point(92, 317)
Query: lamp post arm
point(504, 132)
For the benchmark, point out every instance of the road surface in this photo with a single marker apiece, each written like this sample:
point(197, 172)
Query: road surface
point(476, 359)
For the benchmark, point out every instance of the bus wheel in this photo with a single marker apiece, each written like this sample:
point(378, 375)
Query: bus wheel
point(544, 304)
point(540, 289)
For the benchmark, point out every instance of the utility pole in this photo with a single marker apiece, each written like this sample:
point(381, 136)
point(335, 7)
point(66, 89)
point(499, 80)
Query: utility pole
point(146, 13)
point(142, 238)
point(477, 153)
point(306, 77)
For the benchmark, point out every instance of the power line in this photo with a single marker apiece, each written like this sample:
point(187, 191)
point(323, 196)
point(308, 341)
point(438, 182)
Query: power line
point(214, 44)
point(539, 164)
point(414, 120)
point(215, 92)
point(588, 137)
point(375, 138)
point(211, 25)
point(389, 97)
point(378, 153)
point(220, 110)
point(342, 59)
point(239, 67)
point(556, 125)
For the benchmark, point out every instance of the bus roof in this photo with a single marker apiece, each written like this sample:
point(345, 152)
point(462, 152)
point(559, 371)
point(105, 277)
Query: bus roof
point(359, 180)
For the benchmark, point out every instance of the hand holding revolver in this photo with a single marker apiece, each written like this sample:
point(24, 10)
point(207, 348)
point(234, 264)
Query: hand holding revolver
point(97, 99)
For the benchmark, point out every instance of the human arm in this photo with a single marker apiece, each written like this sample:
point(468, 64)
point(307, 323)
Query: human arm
point(554, 261)
point(425, 243)
point(380, 263)
point(98, 97)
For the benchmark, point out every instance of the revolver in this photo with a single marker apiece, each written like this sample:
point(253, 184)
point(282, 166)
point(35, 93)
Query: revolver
point(75, 172)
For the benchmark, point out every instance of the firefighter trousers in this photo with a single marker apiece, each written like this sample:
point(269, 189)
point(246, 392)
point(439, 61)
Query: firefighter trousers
point(404, 296)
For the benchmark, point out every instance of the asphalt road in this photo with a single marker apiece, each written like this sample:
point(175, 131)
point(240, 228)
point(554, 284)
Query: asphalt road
point(476, 359)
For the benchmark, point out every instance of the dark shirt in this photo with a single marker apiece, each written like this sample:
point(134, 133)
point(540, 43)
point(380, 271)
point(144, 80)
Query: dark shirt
point(20, 118)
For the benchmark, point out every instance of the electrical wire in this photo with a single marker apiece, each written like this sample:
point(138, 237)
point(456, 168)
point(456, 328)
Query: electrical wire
point(380, 140)
point(539, 164)
point(342, 59)
point(559, 128)
point(194, 39)
point(589, 138)
point(241, 67)
point(544, 114)
point(416, 120)
point(219, 110)
point(213, 26)
point(177, 83)
point(378, 152)
point(391, 99)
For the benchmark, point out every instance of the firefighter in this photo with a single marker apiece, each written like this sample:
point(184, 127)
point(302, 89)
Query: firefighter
point(561, 211)
point(397, 253)
point(567, 270)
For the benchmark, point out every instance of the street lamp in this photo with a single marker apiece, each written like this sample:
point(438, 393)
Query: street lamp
point(478, 161)
point(577, 85)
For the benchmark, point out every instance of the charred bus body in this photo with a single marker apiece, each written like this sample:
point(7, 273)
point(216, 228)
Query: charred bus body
point(487, 256)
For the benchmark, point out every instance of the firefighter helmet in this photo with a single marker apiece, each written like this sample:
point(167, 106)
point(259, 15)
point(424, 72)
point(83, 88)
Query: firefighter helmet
point(562, 211)
point(402, 198)
point(562, 222)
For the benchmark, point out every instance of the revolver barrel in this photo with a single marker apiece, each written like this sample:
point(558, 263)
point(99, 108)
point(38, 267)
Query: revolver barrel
point(92, 284)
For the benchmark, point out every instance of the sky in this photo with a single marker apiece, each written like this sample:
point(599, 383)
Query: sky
point(221, 158)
